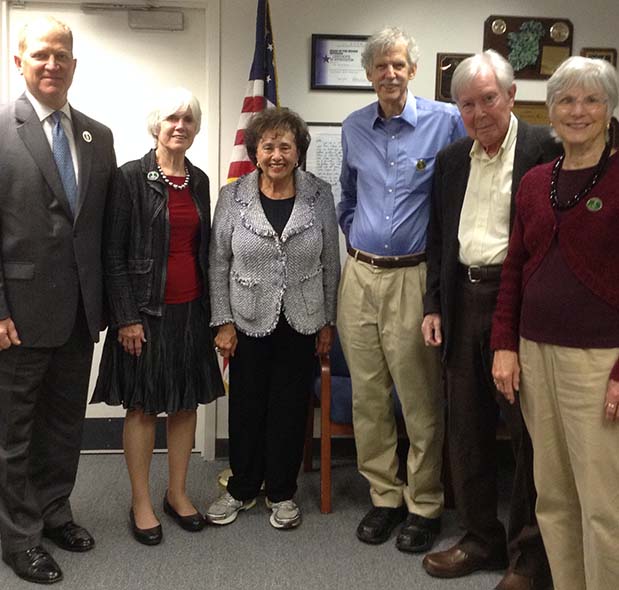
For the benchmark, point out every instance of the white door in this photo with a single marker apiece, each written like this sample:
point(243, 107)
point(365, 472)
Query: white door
point(119, 71)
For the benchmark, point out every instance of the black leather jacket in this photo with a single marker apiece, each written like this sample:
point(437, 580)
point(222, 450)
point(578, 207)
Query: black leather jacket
point(137, 234)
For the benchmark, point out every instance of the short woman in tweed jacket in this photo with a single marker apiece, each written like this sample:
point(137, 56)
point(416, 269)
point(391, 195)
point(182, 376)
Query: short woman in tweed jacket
point(274, 276)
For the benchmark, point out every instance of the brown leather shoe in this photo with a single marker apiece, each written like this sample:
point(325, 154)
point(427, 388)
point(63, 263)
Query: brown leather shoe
point(456, 562)
point(514, 581)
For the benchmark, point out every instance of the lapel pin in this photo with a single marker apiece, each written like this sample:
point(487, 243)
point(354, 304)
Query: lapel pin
point(87, 136)
point(152, 175)
point(594, 204)
point(421, 164)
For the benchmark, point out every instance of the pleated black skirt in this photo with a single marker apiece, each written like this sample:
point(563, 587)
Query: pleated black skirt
point(177, 369)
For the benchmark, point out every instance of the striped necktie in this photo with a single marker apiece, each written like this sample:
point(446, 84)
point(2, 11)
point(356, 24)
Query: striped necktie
point(64, 161)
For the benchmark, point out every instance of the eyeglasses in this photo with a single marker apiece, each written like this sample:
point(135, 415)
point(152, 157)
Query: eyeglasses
point(589, 103)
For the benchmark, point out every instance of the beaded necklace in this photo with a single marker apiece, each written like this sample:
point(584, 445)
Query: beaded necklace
point(600, 168)
point(178, 187)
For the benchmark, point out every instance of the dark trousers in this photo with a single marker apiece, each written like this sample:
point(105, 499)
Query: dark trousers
point(474, 407)
point(43, 394)
point(270, 384)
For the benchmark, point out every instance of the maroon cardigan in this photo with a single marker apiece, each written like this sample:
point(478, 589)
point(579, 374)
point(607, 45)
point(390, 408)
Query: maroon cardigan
point(588, 240)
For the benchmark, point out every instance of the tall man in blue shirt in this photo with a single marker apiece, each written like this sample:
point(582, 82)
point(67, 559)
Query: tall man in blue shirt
point(389, 149)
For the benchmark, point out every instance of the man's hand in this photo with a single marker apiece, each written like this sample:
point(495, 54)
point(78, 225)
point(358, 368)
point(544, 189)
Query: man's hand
point(431, 329)
point(506, 373)
point(8, 334)
point(226, 340)
point(132, 337)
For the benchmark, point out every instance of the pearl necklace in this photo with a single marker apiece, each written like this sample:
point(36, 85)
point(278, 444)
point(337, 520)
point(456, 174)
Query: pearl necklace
point(178, 187)
point(600, 168)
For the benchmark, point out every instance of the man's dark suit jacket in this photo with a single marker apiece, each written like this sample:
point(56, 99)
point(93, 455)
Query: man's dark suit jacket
point(46, 256)
point(534, 145)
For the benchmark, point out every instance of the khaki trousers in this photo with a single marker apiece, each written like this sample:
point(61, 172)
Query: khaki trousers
point(379, 321)
point(576, 461)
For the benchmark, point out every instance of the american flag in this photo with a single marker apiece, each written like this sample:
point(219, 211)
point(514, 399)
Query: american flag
point(261, 90)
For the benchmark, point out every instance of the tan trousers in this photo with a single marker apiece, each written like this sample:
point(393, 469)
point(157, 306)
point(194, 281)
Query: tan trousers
point(576, 461)
point(379, 321)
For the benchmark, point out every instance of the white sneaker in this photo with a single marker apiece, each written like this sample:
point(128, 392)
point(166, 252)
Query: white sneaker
point(226, 508)
point(285, 514)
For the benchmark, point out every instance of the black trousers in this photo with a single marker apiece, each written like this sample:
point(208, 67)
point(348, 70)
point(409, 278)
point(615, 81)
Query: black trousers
point(474, 407)
point(270, 384)
point(43, 394)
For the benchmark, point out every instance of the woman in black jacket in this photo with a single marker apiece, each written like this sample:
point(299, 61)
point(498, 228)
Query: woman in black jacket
point(158, 355)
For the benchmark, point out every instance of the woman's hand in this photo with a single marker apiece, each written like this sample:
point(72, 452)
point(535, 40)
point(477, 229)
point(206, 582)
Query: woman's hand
point(506, 373)
point(611, 403)
point(324, 339)
point(226, 340)
point(132, 338)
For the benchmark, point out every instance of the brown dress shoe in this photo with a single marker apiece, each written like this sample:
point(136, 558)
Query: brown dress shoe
point(456, 562)
point(514, 581)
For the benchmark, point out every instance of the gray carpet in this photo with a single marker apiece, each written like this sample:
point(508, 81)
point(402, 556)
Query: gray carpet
point(323, 553)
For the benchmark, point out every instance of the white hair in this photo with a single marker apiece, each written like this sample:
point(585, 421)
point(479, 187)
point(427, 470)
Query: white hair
point(172, 101)
point(383, 41)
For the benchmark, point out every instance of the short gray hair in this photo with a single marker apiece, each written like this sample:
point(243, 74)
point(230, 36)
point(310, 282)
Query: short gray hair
point(586, 73)
point(383, 41)
point(471, 66)
point(169, 102)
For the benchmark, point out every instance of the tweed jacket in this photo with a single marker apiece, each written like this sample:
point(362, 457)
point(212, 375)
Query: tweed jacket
point(137, 237)
point(534, 145)
point(255, 275)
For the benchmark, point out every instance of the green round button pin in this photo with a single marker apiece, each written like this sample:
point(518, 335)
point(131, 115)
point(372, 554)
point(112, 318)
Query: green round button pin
point(594, 204)
point(421, 164)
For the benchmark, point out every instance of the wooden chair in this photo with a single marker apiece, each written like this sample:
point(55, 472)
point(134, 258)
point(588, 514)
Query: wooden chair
point(333, 394)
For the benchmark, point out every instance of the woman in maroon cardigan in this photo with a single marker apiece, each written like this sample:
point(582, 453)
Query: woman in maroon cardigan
point(556, 328)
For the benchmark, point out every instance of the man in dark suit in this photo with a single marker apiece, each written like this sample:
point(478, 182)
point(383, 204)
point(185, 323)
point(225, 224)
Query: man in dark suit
point(475, 183)
point(57, 167)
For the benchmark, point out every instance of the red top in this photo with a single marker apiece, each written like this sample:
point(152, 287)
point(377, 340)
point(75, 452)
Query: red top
point(183, 282)
point(586, 239)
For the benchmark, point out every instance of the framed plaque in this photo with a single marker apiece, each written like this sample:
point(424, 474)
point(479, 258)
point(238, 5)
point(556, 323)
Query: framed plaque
point(532, 111)
point(534, 46)
point(446, 63)
point(607, 53)
point(336, 63)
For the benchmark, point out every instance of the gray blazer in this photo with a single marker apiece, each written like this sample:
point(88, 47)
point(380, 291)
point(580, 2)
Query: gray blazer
point(254, 274)
point(48, 259)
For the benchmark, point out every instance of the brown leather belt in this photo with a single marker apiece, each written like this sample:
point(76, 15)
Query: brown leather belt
point(482, 274)
point(388, 261)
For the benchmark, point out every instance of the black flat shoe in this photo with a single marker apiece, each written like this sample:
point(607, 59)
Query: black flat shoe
point(70, 537)
point(152, 536)
point(377, 525)
point(34, 565)
point(192, 523)
point(418, 534)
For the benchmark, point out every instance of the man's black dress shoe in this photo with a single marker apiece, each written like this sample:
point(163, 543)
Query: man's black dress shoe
point(192, 523)
point(70, 536)
point(377, 525)
point(152, 536)
point(418, 534)
point(34, 565)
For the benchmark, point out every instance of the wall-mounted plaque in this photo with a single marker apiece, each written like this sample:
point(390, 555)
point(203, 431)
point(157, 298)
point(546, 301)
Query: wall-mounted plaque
point(534, 46)
point(446, 63)
point(336, 63)
point(532, 111)
point(607, 53)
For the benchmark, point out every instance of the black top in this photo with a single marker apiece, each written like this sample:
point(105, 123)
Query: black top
point(277, 211)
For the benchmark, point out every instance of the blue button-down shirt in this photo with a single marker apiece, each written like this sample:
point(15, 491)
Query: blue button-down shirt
point(387, 169)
